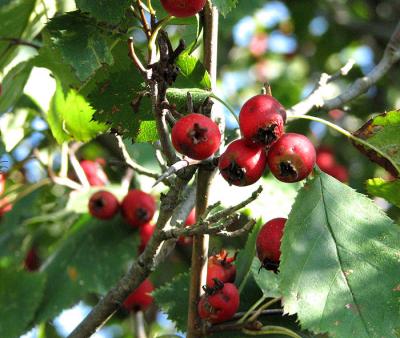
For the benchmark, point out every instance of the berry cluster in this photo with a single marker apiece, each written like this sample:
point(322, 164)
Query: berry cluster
point(290, 156)
point(221, 298)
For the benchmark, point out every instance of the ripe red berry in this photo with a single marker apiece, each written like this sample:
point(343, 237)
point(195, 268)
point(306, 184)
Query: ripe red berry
point(5, 205)
point(291, 158)
point(190, 220)
point(103, 205)
point(2, 183)
point(339, 172)
point(220, 267)
point(94, 172)
point(325, 158)
point(138, 207)
point(196, 136)
point(140, 299)
point(268, 243)
point(219, 303)
point(32, 260)
point(145, 232)
point(183, 8)
point(241, 164)
point(261, 120)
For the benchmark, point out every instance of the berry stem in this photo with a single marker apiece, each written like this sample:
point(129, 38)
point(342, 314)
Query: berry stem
point(262, 308)
point(252, 309)
point(265, 330)
point(349, 135)
point(227, 105)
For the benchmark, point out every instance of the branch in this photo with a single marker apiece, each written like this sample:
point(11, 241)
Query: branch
point(17, 41)
point(361, 85)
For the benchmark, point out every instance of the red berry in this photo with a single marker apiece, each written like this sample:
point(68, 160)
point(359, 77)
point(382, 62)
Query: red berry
point(94, 173)
point(261, 120)
point(339, 172)
point(325, 158)
point(103, 205)
point(268, 243)
point(140, 299)
point(2, 183)
point(196, 136)
point(145, 232)
point(32, 260)
point(219, 303)
point(220, 267)
point(138, 207)
point(291, 158)
point(183, 8)
point(190, 220)
point(241, 164)
point(5, 206)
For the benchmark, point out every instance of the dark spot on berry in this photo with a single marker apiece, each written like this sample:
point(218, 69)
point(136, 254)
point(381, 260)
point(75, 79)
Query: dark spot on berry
point(266, 135)
point(98, 203)
point(142, 214)
point(235, 173)
point(288, 170)
point(270, 265)
point(198, 134)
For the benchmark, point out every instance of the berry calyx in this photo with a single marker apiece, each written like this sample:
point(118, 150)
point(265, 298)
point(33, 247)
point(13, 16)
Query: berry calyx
point(291, 158)
point(268, 243)
point(220, 267)
point(190, 220)
point(145, 233)
point(219, 303)
point(103, 205)
point(94, 172)
point(32, 260)
point(196, 136)
point(138, 207)
point(140, 299)
point(241, 164)
point(183, 8)
point(261, 120)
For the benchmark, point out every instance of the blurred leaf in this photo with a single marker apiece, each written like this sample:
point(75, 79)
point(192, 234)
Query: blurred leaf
point(225, 6)
point(20, 294)
point(107, 10)
point(245, 257)
point(178, 97)
point(193, 71)
point(21, 20)
point(70, 117)
point(91, 259)
point(266, 280)
point(173, 299)
point(13, 127)
point(13, 85)
point(383, 132)
point(340, 262)
point(81, 43)
point(389, 190)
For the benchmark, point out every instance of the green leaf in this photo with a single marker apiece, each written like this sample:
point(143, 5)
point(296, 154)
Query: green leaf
point(81, 43)
point(388, 190)
point(193, 72)
point(178, 97)
point(266, 280)
point(105, 10)
point(13, 85)
point(21, 20)
point(70, 117)
point(340, 262)
point(383, 132)
point(20, 294)
point(245, 257)
point(225, 6)
point(173, 299)
point(91, 259)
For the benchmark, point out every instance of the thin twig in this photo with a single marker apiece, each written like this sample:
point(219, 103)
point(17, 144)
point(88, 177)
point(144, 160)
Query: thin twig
point(144, 20)
point(135, 58)
point(73, 148)
point(17, 41)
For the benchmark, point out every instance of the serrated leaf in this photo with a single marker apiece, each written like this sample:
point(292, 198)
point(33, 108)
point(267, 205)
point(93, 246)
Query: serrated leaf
point(173, 299)
point(81, 43)
point(91, 259)
point(70, 117)
point(389, 190)
point(382, 132)
point(245, 256)
point(266, 280)
point(106, 10)
point(225, 6)
point(13, 85)
point(193, 72)
point(340, 262)
point(20, 294)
